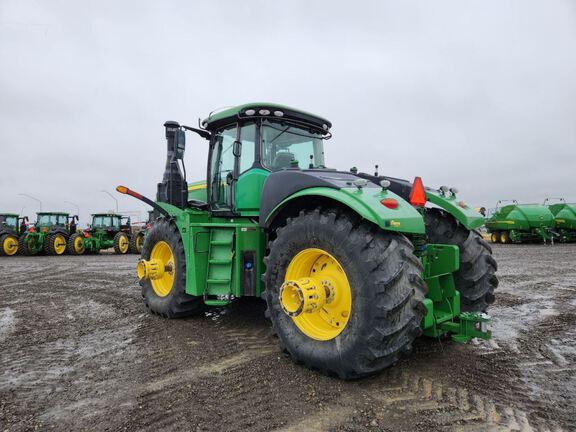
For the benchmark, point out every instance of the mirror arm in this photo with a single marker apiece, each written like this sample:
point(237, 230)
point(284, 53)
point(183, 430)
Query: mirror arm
point(202, 132)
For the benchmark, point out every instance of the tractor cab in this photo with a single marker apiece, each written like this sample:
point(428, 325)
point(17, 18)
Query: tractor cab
point(8, 222)
point(110, 222)
point(55, 221)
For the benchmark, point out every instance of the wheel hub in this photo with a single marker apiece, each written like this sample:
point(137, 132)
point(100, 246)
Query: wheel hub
point(152, 269)
point(305, 295)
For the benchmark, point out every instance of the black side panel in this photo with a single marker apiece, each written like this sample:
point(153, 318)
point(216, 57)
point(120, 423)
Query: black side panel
point(398, 186)
point(281, 184)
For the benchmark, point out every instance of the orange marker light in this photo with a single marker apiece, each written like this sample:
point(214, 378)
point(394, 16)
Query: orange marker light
point(391, 203)
point(122, 189)
point(418, 194)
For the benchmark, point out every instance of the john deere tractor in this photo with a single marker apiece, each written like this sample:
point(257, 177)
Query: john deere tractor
point(49, 234)
point(107, 230)
point(352, 266)
point(11, 226)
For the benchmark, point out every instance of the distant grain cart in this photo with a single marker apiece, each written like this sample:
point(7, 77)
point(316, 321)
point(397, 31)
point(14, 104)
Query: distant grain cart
point(520, 223)
point(564, 218)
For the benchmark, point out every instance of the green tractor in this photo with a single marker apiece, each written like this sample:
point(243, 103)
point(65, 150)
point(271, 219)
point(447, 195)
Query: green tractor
point(11, 227)
point(520, 223)
point(107, 230)
point(49, 234)
point(138, 236)
point(352, 266)
point(564, 218)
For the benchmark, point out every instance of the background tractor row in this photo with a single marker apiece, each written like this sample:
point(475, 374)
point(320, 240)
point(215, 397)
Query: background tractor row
point(55, 233)
point(352, 266)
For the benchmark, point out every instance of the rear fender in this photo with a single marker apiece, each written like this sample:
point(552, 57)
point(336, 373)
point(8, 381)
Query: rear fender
point(366, 203)
point(462, 212)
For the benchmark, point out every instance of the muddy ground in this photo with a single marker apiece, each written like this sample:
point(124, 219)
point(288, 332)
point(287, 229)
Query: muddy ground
point(80, 352)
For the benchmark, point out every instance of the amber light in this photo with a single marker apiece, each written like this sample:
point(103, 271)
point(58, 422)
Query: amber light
point(31, 229)
point(122, 189)
point(391, 203)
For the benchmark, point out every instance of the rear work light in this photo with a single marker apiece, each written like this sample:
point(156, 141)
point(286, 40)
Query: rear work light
point(391, 203)
point(31, 229)
point(418, 194)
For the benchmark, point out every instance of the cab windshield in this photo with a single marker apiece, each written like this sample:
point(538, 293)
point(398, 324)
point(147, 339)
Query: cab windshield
point(50, 220)
point(284, 143)
point(105, 222)
point(8, 221)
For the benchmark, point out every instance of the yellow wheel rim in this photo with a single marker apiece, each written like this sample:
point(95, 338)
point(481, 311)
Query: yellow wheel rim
point(10, 245)
point(315, 270)
point(163, 252)
point(504, 238)
point(494, 238)
point(123, 243)
point(59, 244)
point(79, 245)
point(139, 243)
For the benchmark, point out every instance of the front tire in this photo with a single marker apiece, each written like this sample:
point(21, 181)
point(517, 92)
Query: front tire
point(55, 244)
point(76, 244)
point(136, 243)
point(167, 297)
point(475, 279)
point(121, 243)
point(8, 245)
point(387, 293)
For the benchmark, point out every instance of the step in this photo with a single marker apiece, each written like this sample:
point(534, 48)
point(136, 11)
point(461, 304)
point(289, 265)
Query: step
point(220, 261)
point(216, 302)
point(218, 281)
point(221, 242)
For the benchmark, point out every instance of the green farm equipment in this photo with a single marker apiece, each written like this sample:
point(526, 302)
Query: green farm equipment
point(137, 239)
point(49, 234)
point(564, 218)
point(107, 230)
point(352, 266)
point(520, 223)
point(11, 227)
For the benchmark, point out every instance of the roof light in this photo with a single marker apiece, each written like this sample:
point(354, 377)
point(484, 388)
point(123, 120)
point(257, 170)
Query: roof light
point(250, 112)
point(418, 194)
point(391, 203)
point(264, 112)
point(385, 184)
point(453, 190)
point(325, 126)
point(360, 183)
point(278, 113)
point(443, 189)
point(462, 204)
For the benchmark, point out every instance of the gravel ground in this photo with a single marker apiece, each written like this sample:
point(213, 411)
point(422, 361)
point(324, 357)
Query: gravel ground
point(80, 352)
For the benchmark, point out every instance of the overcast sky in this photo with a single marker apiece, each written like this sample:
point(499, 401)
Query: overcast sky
point(480, 95)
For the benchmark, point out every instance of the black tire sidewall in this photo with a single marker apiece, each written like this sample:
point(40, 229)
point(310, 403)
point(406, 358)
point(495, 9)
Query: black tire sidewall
point(164, 231)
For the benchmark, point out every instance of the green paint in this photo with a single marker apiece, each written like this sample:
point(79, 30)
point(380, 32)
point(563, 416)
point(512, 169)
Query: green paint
point(466, 215)
point(366, 202)
point(523, 222)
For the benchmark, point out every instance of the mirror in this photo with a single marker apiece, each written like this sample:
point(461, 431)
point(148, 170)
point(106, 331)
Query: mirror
point(180, 144)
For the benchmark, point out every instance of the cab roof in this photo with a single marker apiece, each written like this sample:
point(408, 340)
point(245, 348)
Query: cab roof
point(107, 214)
point(53, 213)
point(264, 110)
point(9, 214)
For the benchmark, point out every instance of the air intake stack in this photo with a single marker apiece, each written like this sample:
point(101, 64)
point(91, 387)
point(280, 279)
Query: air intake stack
point(174, 189)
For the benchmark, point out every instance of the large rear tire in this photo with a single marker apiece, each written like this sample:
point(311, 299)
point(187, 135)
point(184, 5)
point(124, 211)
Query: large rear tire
point(55, 244)
point(167, 296)
point(384, 280)
point(8, 245)
point(475, 279)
